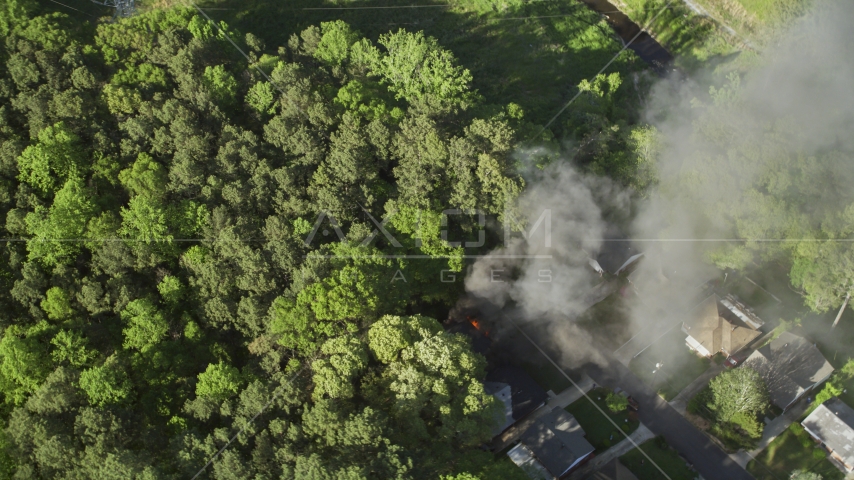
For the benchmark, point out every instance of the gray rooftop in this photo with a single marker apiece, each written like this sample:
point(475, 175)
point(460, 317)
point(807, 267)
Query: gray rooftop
point(502, 392)
point(789, 365)
point(557, 440)
point(833, 423)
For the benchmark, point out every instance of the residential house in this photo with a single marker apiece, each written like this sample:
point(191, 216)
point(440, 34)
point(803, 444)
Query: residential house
point(791, 366)
point(832, 425)
point(519, 393)
point(552, 447)
point(720, 325)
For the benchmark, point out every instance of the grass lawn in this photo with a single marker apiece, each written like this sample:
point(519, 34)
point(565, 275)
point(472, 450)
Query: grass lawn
point(787, 453)
point(666, 458)
point(680, 367)
point(599, 431)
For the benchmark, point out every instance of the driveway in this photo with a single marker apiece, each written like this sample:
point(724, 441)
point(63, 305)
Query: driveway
point(637, 437)
point(680, 402)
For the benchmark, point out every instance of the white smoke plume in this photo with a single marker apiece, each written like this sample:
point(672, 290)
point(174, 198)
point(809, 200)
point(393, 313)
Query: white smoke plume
point(716, 147)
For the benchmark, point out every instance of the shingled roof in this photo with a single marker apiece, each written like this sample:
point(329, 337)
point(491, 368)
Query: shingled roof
point(715, 328)
point(557, 441)
point(525, 394)
point(832, 423)
point(790, 365)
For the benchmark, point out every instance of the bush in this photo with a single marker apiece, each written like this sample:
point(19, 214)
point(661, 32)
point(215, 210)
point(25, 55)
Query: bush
point(616, 403)
point(606, 443)
point(818, 453)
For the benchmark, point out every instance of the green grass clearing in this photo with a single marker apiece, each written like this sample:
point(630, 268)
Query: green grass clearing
point(681, 366)
point(664, 456)
point(599, 431)
point(792, 451)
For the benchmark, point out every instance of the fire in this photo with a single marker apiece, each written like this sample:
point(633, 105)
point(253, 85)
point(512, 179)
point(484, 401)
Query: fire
point(476, 324)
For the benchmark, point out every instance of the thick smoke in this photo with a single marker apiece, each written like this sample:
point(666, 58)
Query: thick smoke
point(724, 149)
point(545, 272)
point(716, 147)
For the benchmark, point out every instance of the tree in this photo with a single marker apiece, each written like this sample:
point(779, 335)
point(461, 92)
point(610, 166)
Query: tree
point(57, 155)
point(145, 177)
point(106, 384)
point(146, 326)
point(334, 376)
point(14, 13)
point(219, 381)
point(221, 84)
point(335, 42)
point(804, 475)
point(57, 304)
point(738, 391)
point(22, 362)
point(69, 346)
point(58, 231)
point(171, 289)
point(418, 70)
point(616, 403)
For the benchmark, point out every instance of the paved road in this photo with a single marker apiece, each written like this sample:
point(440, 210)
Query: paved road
point(709, 460)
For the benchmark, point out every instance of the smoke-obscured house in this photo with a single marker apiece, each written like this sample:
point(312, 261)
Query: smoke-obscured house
point(791, 366)
point(519, 393)
point(832, 425)
point(552, 447)
point(720, 325)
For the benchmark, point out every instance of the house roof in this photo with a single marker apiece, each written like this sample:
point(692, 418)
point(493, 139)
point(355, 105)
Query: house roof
point(713, 327)
point(524, 458)
point(502, 392)
point(525, 394)
point(833, 423)
point(557, 440)
point(789, 365)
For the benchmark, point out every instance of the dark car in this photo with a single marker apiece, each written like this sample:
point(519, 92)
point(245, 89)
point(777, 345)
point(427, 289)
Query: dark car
point(633, 404)
point(731, 362)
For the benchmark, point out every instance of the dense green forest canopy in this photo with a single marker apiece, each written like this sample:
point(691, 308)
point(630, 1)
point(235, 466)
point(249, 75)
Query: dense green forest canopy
point(159, 289)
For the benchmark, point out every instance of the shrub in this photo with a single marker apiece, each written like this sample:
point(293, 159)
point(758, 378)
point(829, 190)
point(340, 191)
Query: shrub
point(818, 453)
point(616, 403)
